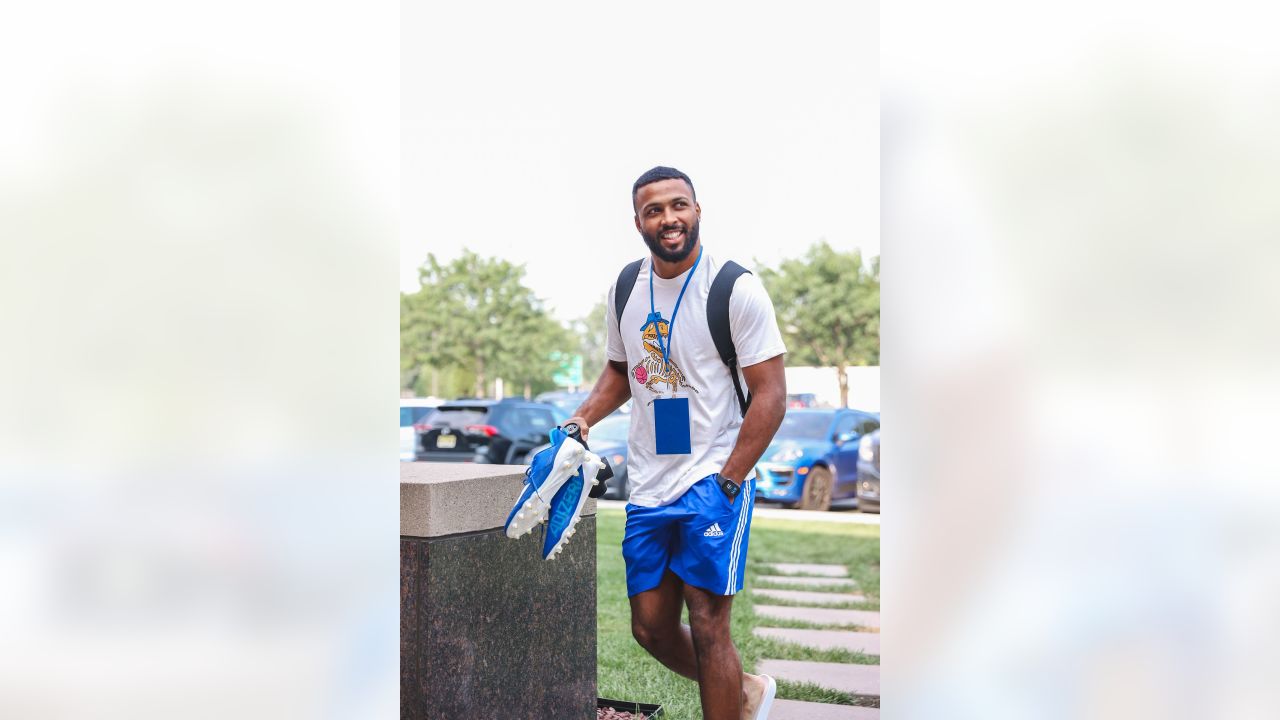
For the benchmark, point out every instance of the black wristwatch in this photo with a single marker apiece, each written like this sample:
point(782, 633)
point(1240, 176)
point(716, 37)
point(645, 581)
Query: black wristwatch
point(730, 488)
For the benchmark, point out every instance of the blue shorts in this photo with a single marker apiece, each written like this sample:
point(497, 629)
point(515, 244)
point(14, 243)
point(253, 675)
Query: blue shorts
point(701, 537)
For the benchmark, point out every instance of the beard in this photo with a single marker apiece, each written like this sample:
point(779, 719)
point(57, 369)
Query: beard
point(678, 255)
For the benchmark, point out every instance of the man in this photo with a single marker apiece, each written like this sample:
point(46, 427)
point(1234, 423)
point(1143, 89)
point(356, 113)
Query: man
point(692, 452)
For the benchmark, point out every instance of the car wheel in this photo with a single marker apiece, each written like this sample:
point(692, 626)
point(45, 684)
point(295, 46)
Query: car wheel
point(817, 490)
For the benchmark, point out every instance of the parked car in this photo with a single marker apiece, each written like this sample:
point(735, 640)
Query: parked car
point(412, 410)
point(813, 458)
point(802, 400)
point(869, 472)
point(563, 399)
point(485, 431)
point(570, 401)
point(608, 439)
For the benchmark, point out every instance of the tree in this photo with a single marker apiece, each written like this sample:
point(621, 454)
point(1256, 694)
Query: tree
point(476, 314)
point(828, 308)
point(589, 334)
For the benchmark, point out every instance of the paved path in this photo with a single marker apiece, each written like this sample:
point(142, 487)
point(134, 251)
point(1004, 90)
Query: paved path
point(866, 643)
point(856, 679)
point(804, 596)
point(815, 581)
point(796, 710)
point(825, 616)
point(825, 584)
point(830, 571)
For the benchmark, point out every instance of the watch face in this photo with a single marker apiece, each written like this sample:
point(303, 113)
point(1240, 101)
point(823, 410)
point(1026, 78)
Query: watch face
point(729, 486)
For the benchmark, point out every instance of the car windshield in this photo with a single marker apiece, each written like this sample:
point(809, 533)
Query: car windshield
point(456, 417)
point(411, 415)
point(611, 429)
point(524, 420)
point(568, 402)
point(804, 426)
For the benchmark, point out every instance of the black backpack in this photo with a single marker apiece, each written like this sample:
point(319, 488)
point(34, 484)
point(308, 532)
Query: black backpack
point(717, 314)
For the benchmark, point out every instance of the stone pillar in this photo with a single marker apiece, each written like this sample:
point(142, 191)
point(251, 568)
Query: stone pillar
point(488, 629)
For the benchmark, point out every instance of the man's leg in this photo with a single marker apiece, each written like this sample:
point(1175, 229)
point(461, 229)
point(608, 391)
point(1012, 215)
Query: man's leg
point(720, 675)
point(655, 623)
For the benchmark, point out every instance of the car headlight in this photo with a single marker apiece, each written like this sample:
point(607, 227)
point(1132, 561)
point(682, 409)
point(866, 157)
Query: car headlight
point(865, 450)
point(787, 455)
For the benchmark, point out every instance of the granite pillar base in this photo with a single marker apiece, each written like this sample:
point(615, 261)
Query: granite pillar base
point(489, 630)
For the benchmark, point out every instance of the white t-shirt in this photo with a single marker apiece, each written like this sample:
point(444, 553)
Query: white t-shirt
point(695, 369)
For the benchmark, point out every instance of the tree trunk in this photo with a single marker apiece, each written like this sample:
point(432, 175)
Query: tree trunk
point(435, 382)
point(528, 391)
point(479, 389)
point(843, 375)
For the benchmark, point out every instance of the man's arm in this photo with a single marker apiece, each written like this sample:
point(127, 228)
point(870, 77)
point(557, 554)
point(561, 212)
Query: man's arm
point(768, 385)
point(610, 391)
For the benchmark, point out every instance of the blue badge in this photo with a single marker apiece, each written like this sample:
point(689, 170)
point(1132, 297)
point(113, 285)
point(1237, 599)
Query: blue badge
point(671, 426)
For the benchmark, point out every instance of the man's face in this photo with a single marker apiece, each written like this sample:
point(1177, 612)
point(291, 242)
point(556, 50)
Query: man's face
point(667, 218)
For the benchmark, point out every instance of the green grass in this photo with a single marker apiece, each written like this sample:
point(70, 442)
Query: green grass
point(627, 672)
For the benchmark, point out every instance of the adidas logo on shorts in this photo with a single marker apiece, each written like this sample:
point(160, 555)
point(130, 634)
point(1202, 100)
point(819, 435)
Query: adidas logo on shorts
point(713, 531)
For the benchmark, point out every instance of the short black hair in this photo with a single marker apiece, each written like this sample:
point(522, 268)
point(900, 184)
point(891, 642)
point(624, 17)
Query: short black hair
point(656, 174)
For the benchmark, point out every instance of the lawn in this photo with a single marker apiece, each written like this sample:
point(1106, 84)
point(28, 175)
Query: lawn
point(626, 672)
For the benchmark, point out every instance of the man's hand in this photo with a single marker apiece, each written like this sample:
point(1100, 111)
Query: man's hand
point(727, 498)
point(583, 427)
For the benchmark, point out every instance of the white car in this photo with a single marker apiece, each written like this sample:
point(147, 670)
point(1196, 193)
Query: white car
point(412, 410)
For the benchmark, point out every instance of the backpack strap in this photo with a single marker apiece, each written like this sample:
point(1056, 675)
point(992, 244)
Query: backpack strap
point(622, 291)
point(718, 322)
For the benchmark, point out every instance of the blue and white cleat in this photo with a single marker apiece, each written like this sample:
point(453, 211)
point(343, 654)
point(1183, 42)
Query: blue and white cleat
point(566, 506)
point(547, 474)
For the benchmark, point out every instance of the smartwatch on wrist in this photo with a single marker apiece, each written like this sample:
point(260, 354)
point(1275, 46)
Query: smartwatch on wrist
point(729, 488)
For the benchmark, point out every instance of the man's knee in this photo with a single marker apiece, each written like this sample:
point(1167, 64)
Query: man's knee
point(650, 634)
point(709, 624)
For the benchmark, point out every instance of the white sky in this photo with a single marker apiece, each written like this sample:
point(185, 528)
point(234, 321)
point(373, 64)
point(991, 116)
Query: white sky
point(524, 127)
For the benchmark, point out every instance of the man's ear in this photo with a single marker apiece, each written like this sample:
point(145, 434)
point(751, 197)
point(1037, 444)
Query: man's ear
point(637, 219)
point(697, 209)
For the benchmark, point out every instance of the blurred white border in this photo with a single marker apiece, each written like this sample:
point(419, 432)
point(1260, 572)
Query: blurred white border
point(198, 213)
point(1079, 314)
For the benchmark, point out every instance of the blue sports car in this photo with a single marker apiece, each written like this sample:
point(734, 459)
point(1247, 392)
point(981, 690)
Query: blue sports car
point(813, 458)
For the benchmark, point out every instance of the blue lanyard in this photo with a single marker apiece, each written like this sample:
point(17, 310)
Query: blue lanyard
point(654, 316)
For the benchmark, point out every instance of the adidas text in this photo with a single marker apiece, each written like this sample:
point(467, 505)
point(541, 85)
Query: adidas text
point(713, 531)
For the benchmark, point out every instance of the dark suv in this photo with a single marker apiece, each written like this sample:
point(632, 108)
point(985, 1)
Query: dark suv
point(485, 431)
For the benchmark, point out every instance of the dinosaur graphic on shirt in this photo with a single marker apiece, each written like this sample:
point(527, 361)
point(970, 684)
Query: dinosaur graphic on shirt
point(651, 371)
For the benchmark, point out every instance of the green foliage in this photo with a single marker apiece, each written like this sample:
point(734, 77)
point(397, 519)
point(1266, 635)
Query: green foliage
point(828, 308)
point(474, 319)
point(589, 334)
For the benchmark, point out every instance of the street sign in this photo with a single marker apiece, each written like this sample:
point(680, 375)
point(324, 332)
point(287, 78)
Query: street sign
point(570, 372)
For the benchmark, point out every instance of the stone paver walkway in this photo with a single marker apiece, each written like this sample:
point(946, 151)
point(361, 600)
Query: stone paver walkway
point(826, 616)
point(811, 569)
point(805, 596)
point(856, 679)
point(866, 643)
point(827, 585)
point(816, 581)
point(796, 710)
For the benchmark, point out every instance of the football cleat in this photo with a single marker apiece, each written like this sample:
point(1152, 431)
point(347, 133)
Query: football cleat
point(550, 470)
point(566, 505)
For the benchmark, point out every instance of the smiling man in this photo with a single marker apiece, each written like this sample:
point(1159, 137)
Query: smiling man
point(694, 440)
